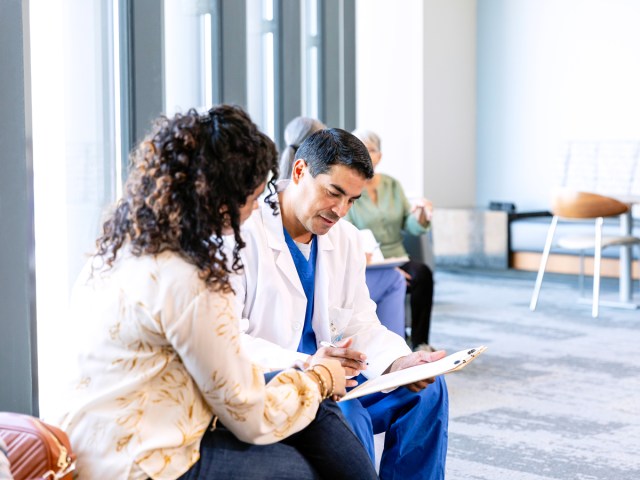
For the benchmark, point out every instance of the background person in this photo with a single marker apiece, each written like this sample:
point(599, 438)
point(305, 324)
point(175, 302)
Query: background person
point(385, 210)
point(163, 388)
point(296, 132)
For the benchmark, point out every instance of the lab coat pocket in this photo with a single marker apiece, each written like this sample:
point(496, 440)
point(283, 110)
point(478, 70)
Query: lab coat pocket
point(338, 321)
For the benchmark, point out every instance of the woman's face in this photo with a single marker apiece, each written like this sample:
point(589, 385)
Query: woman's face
point(374, 153)
point(249, 206)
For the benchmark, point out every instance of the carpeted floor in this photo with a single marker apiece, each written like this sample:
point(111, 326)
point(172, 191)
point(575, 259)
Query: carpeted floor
point(557, 393)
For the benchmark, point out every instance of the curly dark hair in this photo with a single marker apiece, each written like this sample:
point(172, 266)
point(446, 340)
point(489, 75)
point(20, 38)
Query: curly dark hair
point(187, 181)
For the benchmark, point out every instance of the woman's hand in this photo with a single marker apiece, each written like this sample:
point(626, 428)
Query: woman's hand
point(336, 377)
point(423, 211)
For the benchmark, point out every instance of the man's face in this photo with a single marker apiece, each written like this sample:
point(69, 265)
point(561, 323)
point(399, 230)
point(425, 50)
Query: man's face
point(325, 199)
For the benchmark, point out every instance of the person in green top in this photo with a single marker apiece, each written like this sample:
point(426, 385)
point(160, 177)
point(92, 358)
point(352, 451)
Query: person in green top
point(385, 210)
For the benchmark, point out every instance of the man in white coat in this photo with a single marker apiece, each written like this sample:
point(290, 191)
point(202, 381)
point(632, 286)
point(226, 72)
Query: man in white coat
point(304, 285)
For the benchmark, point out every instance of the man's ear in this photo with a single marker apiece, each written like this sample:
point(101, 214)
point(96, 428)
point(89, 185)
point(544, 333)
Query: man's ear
point(299, 170)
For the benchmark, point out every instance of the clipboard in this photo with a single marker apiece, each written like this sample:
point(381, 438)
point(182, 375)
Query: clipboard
point(388, 263)
point(390, 381)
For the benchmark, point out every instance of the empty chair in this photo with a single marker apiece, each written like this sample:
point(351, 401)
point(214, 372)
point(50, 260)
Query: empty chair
point(570, 205)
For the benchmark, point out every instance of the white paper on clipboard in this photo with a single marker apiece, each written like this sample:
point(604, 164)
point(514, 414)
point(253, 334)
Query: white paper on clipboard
point(388, 263)
point(371, 245)
point(450, 363)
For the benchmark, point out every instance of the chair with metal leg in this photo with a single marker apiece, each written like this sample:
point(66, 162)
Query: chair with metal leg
point(571, 205)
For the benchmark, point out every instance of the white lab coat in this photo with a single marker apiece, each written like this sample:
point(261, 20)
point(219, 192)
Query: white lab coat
point(273, 302)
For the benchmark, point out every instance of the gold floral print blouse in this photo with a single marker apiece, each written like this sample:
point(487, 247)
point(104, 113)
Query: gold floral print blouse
point(158, 356)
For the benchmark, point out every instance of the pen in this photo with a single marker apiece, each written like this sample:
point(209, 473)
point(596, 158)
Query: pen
point(329, 344)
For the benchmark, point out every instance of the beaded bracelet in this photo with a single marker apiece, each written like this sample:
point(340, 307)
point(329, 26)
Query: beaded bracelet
point(318, 379)
point(333, 382)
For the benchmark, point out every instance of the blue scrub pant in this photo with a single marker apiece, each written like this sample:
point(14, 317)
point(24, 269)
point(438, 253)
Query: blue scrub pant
point(388, 288)
point(415, 445)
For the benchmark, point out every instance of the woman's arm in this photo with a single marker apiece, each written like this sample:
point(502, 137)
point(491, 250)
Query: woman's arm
point(207, 338)
point(417, 219)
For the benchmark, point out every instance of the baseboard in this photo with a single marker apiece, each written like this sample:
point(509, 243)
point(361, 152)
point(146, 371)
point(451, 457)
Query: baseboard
point(569, 264)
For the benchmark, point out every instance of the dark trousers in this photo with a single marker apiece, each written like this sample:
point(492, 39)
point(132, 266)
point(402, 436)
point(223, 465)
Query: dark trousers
point(327, 448)
point(420, 288)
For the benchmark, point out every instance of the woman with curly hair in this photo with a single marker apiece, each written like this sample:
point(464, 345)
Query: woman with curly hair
point(163, 388)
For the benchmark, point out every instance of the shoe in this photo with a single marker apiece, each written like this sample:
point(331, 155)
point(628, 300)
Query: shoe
point(424, 347)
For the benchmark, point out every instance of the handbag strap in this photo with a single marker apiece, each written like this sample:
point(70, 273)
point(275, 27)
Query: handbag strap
point(66, 462)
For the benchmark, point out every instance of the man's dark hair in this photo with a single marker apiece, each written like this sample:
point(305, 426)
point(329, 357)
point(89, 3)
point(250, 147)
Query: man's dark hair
point(335, 146)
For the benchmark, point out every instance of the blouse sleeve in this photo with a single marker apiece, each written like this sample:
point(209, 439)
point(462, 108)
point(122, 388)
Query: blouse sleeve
point(411, 223)
point(207, 338)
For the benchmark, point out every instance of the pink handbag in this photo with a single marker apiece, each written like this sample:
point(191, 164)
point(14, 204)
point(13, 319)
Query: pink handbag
point(36, 450)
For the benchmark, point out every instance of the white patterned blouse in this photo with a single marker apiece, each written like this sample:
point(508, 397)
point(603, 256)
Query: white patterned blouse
point(5, 470)
point(158, 357)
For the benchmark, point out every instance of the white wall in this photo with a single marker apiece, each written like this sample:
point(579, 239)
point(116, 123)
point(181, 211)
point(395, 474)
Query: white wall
point(450, 102)
point(389, 79)
point(551, 71)
point(416, 88)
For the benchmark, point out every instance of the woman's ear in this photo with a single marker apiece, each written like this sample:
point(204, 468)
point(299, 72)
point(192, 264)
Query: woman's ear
point(299, 170)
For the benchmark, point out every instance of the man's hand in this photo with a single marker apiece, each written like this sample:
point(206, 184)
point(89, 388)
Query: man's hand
point(351, 360)
point(416, 358)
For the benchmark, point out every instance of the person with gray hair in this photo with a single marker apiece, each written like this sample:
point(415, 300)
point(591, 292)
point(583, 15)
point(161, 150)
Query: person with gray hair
point(385, 210)
point(296, 132)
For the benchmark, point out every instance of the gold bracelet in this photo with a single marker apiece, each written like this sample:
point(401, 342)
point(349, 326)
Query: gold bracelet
point(319, 381)
point(333, 382)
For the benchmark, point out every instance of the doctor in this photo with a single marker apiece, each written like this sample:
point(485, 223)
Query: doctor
point(304, 283)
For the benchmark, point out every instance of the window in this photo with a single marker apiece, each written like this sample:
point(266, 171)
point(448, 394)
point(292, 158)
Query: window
point(188, 68)
point(262, 63)
point(75, 171)
point(311, 59)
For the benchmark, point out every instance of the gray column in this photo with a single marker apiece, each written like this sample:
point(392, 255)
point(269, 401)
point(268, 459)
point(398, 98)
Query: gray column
point(234, 52)
point(338, 103)
point(290, 101)
point(18, 347)
point(145, 87)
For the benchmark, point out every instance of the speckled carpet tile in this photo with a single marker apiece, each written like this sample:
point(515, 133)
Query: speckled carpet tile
point(557, 393)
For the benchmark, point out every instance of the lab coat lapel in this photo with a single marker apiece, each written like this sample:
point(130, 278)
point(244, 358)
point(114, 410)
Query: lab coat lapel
point(276, 242)
point(321, 322)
